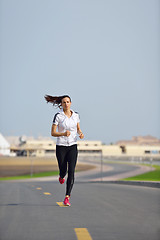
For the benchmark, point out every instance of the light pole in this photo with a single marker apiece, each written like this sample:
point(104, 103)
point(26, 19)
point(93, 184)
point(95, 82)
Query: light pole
point(101, 166)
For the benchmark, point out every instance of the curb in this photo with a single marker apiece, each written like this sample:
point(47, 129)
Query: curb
point(132, 183)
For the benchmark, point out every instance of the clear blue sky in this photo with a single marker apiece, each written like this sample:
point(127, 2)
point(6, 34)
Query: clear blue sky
point(104, 53)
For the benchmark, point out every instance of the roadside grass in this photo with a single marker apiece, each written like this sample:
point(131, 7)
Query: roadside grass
point(149, 176)
point(35, 175)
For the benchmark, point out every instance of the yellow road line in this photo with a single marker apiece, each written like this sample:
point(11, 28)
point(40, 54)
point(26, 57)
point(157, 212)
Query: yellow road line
point(61, 204)
point(39, 188)
point(47, 193)
point(82, 234)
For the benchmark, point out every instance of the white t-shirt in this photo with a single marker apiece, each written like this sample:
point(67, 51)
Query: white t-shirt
point(65, 123)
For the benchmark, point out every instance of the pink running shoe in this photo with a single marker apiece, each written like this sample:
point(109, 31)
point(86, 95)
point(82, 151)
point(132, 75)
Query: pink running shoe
point(61, 180)
point(66, 201)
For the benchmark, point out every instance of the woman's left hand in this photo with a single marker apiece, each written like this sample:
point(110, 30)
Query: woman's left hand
point(79, 131)
point(81, 136)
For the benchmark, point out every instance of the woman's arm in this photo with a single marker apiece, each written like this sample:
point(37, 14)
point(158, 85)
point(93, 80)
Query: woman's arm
point(54, 133)
point(79, 131)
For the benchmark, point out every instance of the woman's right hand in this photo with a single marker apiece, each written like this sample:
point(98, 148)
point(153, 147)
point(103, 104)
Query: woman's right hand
point(67, 133)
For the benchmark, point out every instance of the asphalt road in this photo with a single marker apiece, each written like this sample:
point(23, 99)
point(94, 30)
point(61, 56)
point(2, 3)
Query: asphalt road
point(29, 211)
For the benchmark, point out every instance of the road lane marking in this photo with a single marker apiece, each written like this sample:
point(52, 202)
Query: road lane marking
point(61, 204)
point(38, 188)
point(82, 234)
point(47, 193)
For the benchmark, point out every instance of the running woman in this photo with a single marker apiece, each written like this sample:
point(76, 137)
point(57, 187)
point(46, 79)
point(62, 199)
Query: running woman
point(68, 125)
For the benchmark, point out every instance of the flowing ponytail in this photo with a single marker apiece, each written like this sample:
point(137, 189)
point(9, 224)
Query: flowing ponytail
point(56, 101)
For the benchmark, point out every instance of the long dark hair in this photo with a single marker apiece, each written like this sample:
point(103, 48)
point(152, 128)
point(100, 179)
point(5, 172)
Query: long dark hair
point(56, 101)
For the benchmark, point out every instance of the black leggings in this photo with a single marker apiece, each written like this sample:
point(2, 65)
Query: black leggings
point(67, 155)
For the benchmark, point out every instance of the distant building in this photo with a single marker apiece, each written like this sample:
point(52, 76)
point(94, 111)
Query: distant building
point(137, 147)
point(34, 147)
point(4, 146)
point(140, 140)
point(140, 146)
